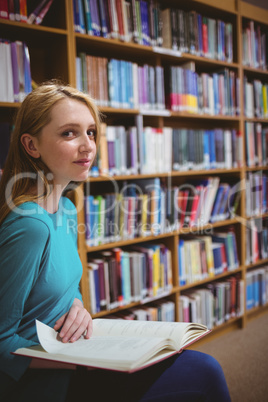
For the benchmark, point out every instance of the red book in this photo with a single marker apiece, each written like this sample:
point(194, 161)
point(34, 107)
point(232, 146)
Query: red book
point(4, 9)
point(117, 255)
point(196, 200)
point(23, 11)
point(224, 258)
point(205, 36)
point(184, 195)
point(119, 12)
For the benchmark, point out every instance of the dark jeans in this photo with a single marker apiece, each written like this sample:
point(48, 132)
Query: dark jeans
point(189, 377)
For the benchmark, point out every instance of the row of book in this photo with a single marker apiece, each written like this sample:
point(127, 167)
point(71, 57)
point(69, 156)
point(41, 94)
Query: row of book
point(256, 187)
point(254, 46)
point(146, 208)
point(256, 138)
point(31, 12)
point(213, 94)
point(124, 84)
point(121, 84)
point(15, 77)
point(256, 240)
point(257, 287)
point(214, 304)
point(145, 150)
point(145, 23)
point(206, 149)
point(203, 257)
point(191, 32)
point(125, 151)
point(162, 310)
point(255, 98)
point(119, 277)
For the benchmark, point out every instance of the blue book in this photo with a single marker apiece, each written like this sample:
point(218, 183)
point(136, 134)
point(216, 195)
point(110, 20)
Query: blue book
point(215, 210)
point(95, 18)
point(125, 272)
point(123, 84)
point(216, 94)
point(113, 83)
point(130, 85)
point(27, 70)
point(76, 15)
point(217, 256)
point(222, 238)
point(145, 23)
point(88, 17)
point(95, 220)
point(81, 16)
point(264, 193)
point(206, 151)
point(88, 205)
point(103, 19)
point(256, 290)
point(249, 293)
point(212, 149)
point(182, 278)
point(224, 207)
point(97, 288)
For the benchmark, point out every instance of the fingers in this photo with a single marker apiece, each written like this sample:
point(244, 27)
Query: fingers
point(59, 322)
point(77, 322)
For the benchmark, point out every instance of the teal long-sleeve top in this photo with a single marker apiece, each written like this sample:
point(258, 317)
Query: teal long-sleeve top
point(40, 271)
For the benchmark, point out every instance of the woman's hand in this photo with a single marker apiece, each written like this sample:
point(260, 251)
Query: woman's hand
point(75, 323)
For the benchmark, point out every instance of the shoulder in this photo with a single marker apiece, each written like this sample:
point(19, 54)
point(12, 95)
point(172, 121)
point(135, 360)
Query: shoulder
point(28, 222)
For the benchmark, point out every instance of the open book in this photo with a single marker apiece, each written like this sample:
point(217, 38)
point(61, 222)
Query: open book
point(121, 345)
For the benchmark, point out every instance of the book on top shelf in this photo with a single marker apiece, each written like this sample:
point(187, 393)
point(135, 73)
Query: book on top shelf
point(120, 345)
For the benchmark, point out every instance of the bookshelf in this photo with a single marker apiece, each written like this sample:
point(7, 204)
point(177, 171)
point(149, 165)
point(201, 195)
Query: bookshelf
point(53, 48)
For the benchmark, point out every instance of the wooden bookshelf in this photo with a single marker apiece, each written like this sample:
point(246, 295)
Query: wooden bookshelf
point(53, 47)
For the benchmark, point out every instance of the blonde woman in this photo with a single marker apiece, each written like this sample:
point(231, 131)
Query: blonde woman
point(54, 144)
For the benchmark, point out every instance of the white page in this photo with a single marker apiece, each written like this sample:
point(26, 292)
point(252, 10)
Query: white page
point(168, 330)
point(100, 348)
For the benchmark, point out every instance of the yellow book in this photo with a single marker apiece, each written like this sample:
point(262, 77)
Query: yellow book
point(195, 260)
point(264, 96)
point(156, 271)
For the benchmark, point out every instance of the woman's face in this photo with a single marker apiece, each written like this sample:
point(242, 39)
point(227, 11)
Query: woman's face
point(67, 144)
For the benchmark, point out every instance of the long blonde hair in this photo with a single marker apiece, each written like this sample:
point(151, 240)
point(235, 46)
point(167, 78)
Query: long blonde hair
point(33, 115)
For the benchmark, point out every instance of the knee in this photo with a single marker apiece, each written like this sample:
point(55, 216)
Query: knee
point(209, 367)
point(212, 376)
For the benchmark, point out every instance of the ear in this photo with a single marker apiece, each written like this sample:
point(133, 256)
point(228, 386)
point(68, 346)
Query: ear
point(29, 145)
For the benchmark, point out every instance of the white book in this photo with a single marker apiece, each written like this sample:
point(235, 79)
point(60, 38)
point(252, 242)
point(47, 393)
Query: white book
point(121, 345)
point(228, 148)
point(6, 79)
point(167, 147)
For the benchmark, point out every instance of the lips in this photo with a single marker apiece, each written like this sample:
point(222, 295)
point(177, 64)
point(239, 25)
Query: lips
point(83, 162)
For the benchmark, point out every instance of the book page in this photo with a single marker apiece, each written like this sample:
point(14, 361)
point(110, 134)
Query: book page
point(101, 350)
point(177, 332)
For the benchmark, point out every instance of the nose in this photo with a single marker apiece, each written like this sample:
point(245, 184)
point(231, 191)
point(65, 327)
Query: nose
point(87, 143)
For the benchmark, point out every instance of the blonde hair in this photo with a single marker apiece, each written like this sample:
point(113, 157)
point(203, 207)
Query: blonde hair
point(33, 115)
